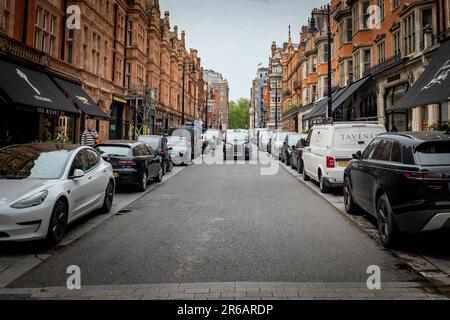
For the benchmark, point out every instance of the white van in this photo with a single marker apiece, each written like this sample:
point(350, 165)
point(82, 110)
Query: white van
point(329, 148)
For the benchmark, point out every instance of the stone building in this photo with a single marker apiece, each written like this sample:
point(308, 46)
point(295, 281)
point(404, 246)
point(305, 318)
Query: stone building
point(218, 99)
point(275, 87)
point(257, 98)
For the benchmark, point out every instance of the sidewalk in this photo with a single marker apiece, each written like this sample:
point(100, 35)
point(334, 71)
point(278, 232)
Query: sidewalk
point(233, 291)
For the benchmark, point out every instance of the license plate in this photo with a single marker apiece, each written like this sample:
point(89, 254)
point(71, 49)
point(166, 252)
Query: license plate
point(116, 175)
point(342, 163)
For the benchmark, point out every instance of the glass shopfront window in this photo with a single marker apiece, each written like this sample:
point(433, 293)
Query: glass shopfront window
point(444, 112)
point(56, 128)
point(397, 121)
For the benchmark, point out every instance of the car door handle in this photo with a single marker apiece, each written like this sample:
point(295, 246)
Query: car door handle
point(104, 171)
point(90, 178)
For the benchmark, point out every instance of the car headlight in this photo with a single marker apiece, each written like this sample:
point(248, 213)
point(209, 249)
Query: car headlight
point(32, 201)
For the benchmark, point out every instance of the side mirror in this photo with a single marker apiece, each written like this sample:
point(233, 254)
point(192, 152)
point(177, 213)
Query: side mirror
point(170, 149)
point(357, 155)
point(304, 142)
point(293, 147)
point(78, 173)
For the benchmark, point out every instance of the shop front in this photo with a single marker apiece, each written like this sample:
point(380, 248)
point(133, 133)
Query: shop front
point(426, 102)
point(34, 109)
point(397, 121)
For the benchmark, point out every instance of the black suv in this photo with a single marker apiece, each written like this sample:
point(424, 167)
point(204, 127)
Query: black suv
point(159, 143)
point(402, 179)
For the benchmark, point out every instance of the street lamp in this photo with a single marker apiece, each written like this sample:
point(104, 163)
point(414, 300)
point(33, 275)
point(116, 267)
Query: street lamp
point(312, 29)
point(191, 66)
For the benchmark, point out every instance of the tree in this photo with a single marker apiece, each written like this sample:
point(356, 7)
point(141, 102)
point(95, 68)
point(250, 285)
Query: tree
point(239, 117)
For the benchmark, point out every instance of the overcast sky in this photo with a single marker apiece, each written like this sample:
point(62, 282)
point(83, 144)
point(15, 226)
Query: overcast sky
point(234, 36)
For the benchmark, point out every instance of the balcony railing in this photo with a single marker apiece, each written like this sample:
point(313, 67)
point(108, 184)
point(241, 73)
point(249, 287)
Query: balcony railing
point(385, 65)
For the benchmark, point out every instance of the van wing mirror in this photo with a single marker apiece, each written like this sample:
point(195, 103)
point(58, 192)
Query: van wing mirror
point(304, 142)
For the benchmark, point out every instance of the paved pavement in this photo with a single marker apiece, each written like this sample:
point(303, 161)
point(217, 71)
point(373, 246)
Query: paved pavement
point(224, 231)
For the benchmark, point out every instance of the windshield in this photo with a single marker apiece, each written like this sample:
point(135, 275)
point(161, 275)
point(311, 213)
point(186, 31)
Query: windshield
point(154, 142)
point(114, 151)
point(239, 136)
point(19, 163)
point(281, 137)
point(293, 139)
point(434, 153)
point(176, 141)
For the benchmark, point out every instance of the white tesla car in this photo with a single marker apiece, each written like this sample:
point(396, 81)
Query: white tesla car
point(44, 187)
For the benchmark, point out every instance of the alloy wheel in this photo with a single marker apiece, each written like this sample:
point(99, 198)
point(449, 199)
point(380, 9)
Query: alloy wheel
point(383, 221)
point(58, 222)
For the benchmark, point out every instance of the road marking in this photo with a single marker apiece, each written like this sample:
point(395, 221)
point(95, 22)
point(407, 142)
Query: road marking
point(13, 267)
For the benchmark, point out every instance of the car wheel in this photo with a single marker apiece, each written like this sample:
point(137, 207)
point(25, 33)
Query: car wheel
point(387, 228)
point(288, 162)
point(305, 175)
point(323, 187)
point(170, 166)
point(58, 223)
point(109, 198)
point(160, 175)
point(300, 167)
point(142, 186)
point(350, 206)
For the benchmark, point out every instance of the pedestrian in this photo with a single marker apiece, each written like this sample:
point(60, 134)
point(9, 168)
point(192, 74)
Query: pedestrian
point(89, 137)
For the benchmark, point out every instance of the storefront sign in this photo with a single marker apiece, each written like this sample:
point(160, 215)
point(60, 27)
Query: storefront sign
point(50, 112)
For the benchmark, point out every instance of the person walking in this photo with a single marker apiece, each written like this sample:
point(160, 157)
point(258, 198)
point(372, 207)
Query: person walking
point(89, 137)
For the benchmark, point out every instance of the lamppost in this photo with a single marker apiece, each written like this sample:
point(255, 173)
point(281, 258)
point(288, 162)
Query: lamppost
point(191, 66)
point(312, 29)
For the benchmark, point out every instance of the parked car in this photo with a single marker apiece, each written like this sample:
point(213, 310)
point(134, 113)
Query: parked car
point(159, 143)
point(180, 150)
point(264, 140)
point(213, 137)
point(237, 145)
point(403, 180)
point(134, 163)
point(193, 134)
point(329, 148)
point(45, 187)
point(277, 144)
point(297, 153)
point(289, 144)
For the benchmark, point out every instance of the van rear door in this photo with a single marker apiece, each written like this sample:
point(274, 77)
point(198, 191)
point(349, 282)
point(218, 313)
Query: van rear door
point(350, 139)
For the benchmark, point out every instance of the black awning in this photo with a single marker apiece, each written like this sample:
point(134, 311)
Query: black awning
point(81, 98)
point(321, 107)
point(32, 88)
point(433, 86)
point(350, 89)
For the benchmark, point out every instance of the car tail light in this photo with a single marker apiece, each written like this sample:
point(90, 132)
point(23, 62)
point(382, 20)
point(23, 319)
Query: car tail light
point(127, 163)
point(330, 162)
point(426, 175)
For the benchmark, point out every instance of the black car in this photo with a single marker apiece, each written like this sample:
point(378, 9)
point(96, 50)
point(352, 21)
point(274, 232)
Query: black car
point(404, 181)
point(134, 163)
point(297, 155)
point(289, 144)
point(159, 143)
point(237, 146)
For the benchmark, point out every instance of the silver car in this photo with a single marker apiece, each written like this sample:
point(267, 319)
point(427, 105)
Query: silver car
point(45, 187)
point(180, 150)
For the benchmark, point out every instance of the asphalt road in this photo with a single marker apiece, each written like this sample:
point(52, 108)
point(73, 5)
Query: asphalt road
point(222, 223)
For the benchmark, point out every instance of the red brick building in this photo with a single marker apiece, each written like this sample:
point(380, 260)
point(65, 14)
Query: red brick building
point(123, 55)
